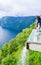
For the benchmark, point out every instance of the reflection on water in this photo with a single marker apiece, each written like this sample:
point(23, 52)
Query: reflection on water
point(6, 35)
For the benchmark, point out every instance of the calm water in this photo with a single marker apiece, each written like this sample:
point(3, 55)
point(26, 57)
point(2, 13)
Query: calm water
point(6, 35)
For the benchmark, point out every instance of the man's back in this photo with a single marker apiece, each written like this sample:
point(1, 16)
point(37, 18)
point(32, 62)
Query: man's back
point(38, 21)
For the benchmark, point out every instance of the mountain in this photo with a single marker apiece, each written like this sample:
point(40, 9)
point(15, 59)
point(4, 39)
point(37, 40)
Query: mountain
point(17, 23)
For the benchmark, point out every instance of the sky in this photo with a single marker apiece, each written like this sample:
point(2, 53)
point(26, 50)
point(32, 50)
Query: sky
point(20, 7)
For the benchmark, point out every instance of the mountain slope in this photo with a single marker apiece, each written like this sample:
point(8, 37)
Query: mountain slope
point(17, 23)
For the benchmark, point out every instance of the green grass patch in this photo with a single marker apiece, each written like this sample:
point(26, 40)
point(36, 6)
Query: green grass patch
point(34, 58)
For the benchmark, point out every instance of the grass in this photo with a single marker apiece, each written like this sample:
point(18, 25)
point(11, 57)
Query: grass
point(34, 58)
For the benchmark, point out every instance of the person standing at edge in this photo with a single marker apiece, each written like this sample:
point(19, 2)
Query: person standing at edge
point(38, 22)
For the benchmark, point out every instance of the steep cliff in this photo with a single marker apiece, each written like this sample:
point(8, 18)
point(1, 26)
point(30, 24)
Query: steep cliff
point(17, 23)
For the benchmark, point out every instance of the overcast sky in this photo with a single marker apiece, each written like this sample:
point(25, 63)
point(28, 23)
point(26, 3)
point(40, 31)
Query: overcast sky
point(20, 7)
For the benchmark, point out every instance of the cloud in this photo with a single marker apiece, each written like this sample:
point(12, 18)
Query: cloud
point(20, 7)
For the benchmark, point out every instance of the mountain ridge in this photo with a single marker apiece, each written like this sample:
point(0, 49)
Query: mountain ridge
point(17, 23)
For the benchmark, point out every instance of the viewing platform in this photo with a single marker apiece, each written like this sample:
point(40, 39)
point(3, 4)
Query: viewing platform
point(34, 40)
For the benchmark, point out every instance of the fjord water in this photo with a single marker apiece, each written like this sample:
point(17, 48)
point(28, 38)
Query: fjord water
point(6, 35)
point(15, 23)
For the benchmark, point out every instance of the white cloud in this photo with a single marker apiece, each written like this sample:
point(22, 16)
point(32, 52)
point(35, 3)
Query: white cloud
point(20, 7)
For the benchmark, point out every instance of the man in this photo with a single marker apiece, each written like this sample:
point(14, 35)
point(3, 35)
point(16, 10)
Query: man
point(38, 22)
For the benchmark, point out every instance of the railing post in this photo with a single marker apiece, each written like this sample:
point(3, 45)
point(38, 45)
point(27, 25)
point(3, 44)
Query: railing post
point(27, 45)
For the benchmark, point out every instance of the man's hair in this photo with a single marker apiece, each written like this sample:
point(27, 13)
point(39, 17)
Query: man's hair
point(37, 17)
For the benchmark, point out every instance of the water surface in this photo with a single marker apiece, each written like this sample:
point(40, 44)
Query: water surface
point(6, 35)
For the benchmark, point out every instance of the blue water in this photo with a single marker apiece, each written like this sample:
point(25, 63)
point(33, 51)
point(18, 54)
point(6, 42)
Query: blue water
point(6, 35)
point(8, 25)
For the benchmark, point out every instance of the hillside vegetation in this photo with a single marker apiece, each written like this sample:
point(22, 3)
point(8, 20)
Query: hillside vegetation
point(10, 51)
point(33, 58)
